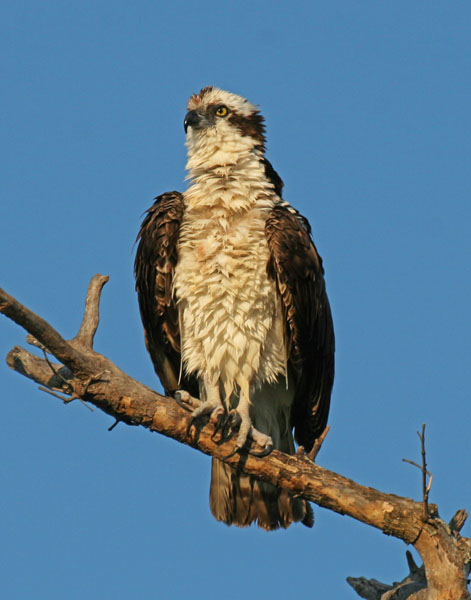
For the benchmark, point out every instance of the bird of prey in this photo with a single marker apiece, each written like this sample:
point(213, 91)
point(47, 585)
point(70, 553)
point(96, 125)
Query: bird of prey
point(233, 303)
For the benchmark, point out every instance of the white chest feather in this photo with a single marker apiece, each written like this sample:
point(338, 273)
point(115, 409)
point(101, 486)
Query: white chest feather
point(230, 316)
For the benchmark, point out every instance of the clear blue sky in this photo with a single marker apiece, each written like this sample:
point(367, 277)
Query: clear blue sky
point(367, 106)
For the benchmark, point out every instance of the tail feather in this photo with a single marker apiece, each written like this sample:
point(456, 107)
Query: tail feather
point(238, 499)
point(241, 500)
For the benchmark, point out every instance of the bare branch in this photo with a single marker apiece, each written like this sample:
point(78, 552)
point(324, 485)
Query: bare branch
point(413, 586)
point(111, 427)
point(413, 567)
point(318, 444)
point(426, 487)
point(53, 369)
point(458, 520)
point(65, 399)
point(43, 332)
point(370, 589)
point(91, 315)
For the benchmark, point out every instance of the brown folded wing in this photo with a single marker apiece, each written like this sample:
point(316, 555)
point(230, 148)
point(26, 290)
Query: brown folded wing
point(154, 267)
point(296, 268)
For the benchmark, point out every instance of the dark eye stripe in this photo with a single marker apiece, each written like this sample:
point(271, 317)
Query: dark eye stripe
point(251, 126)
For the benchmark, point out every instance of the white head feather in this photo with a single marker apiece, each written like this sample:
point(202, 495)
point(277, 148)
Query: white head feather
point(223, 142)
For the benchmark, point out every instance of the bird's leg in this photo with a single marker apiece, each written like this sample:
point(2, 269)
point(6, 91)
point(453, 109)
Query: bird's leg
point(212, 405)
point(240, 416)
point(224, 425)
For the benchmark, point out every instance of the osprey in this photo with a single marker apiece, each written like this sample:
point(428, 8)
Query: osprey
point(233, 302)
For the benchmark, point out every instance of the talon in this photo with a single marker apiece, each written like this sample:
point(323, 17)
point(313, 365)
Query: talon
point(233, 453)
point(220, 424)
point(182, 395)
point(246, 431)
point(185, 400)
point(204, 408)
point(234, 419)
point(190, 425)
point(226, 433)
point(265, 452)
point(216, 415)
point(178, 397)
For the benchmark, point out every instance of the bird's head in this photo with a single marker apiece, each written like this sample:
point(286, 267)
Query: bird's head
point(221, 128)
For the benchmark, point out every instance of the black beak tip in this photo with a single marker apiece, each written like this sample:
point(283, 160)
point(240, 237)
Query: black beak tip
point(192, 118)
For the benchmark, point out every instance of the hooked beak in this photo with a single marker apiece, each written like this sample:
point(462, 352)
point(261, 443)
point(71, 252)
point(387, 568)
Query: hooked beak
point(192, 119)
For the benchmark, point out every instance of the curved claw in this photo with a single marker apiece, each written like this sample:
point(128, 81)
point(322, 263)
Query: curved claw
point(220, 424)
point(223, 425)
point(234, 419)
point(265, 452)
point(181, 403)
point(226, 433)
point(190, 425)
point(233, 453)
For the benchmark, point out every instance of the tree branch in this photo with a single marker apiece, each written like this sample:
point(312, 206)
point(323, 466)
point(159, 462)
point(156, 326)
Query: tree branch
point(426, 487)
point(43, 332)
point(91, 315)
point(441, 583)
point(90, 376)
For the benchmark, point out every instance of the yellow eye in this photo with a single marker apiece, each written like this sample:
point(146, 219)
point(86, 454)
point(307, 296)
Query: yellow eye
point(222, 111)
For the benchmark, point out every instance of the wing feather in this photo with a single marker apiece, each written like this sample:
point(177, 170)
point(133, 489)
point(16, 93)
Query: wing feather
point(154, 267)
point(296, 267)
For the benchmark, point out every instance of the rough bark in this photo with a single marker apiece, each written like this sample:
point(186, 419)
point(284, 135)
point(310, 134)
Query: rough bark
point(443, 550)
point(84, 374)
